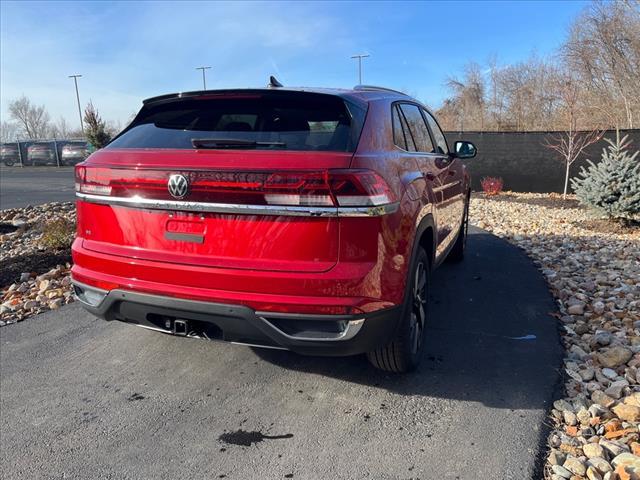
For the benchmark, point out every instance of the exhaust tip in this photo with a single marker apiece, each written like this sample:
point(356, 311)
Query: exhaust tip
point(89, 296)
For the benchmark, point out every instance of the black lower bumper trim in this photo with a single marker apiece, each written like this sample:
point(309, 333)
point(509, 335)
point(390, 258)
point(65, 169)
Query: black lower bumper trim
point(241, 324)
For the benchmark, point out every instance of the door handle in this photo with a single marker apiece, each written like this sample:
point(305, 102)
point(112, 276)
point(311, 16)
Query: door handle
point(430, 176)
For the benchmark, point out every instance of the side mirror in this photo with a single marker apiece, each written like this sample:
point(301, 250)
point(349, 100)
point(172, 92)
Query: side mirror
point(464, 150)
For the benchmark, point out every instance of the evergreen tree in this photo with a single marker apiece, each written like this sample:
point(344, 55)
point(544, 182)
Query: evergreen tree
point(612, 186)
point(95, 128)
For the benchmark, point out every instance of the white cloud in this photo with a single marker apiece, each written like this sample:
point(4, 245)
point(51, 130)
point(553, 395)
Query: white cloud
point(130, 51)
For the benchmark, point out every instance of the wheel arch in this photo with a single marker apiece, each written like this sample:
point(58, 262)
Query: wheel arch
point(426, 238)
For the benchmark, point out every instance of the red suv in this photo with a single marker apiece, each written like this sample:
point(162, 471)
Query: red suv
point(300, 219)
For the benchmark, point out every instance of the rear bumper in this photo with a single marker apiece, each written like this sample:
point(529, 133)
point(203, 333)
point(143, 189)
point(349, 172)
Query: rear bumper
point(332, 335)
point(348, 288)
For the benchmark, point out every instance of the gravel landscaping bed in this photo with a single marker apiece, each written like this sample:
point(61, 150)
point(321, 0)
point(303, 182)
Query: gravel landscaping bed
point(35, 260)
point(594, 274)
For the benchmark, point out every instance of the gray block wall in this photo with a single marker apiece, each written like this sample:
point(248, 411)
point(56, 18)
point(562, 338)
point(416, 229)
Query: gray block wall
point(522, 160)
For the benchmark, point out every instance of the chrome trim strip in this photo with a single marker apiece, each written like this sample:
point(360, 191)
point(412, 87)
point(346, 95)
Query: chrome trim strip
point(372, 211)
point(448, 185)
point(352, 329)
point(278, 210)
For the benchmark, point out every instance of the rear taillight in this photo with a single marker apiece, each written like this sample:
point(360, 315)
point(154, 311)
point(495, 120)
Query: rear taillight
point(93, 186)
point(325, 188)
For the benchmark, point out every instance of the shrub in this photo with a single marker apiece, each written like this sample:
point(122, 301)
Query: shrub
point(491, 185)
point(612, 186)
point(58, 234)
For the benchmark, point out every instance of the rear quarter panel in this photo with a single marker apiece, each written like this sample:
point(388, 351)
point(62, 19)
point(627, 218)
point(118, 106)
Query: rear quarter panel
point(394, 235)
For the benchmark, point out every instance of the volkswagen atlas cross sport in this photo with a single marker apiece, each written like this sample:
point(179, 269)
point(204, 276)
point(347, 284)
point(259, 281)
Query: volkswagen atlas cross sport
point(295, 218)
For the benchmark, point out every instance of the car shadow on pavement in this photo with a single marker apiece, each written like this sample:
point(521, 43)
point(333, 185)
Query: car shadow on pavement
point(491, 336)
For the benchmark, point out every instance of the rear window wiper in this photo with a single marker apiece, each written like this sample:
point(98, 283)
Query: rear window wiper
point(232, 143)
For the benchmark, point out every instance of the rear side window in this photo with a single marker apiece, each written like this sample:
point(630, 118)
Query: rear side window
point(399, 137)
point(417, 127)
point(438, 136)
point(403, 136)
point(261, 120)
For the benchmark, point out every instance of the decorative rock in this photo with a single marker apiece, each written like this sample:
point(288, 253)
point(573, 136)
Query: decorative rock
point(556, 457)
point(592, 474)
point(55, 304)
point(598, 307)
point(592, 450)
point(569, 418)
point(602, 338)
point(586, 374)
point(576, 309)
point(561, 471)
point(616, 388)
point(575, 465)
point(633, 399)
point(630, 413)
point(614, 448)
point(581, 328)
point(30, 305)
point(576, 352)
point(584, 417)
point(602, 399)
point(600, 464)
point(43, 285)
point(562, 405)
point(609, 373)
point(57, 292)
point(614, 356)
point(622, 473)
point(25, 276)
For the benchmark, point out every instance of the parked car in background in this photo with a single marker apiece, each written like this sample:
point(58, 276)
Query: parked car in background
point(9, 154)
point(41, 154)
point(73, 152)
point(300, 219)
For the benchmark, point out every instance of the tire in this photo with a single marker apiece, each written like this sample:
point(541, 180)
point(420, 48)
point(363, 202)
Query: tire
point(457, 251)
point(403, 353)
point(8, 163)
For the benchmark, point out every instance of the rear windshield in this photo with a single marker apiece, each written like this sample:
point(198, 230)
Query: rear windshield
point(266, 120)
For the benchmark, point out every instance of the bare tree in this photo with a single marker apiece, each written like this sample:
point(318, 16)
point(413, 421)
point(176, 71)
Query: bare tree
point(113, 127)
point(33, 120)
point(514, 97)
point(468, 103)
point(8, 132)
point(601, 53)
point(570, 143)
point(603, 50)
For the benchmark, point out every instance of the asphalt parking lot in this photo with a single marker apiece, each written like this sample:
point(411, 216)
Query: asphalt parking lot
point(84, 398)
point(22, 186)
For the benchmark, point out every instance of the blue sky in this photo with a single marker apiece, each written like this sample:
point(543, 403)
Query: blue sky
point(128, 51)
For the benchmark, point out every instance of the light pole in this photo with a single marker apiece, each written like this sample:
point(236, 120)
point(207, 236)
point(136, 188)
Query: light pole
point(204, 79)
point(75, 80)
point(360, 57)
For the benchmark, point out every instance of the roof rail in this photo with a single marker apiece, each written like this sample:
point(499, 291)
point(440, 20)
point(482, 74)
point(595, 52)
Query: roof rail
point(375, 88)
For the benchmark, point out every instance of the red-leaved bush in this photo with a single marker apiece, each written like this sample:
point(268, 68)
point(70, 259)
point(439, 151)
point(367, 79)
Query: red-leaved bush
point(491, 185)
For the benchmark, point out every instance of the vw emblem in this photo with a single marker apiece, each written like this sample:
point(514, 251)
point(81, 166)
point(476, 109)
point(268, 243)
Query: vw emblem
point(178, 186)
